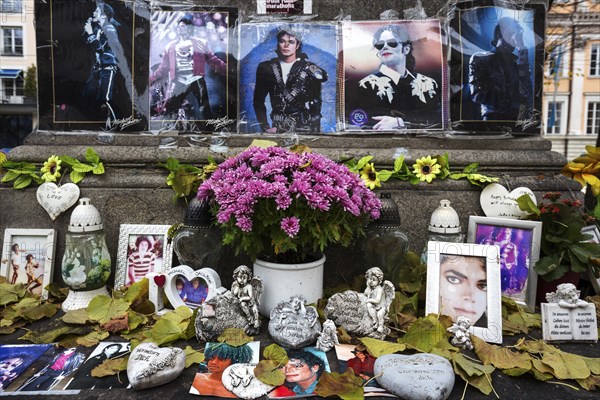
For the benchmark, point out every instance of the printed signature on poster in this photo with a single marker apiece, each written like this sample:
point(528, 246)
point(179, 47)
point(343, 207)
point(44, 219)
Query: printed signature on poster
point(220, 122)
point(121, 124)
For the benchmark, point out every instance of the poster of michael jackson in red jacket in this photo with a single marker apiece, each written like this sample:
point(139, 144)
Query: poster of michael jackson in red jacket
point(193, 74)
point(88, 77)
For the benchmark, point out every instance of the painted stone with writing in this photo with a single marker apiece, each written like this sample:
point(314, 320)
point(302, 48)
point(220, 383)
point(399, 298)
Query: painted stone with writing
point(293, 324)
point(240, 380)
point(415, 377)
point(150, 365)
point(219, 313)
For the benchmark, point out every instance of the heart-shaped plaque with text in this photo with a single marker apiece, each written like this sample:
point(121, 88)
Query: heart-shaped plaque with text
point(57, 199)
point(186, 287)
point(496, 201)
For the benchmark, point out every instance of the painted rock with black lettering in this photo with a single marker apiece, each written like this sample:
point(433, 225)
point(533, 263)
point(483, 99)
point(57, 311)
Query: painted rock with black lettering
point(150, 365)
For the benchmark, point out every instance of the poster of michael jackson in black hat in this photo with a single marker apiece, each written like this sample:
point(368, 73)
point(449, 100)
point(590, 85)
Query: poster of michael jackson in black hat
point(288, 78)
point(496, 67)
point(87, 74)
point(193, 73)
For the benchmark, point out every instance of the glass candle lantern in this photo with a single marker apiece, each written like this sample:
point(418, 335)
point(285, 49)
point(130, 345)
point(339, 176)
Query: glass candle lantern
point(198, 242)
point(444, 226)
point(386, 244)
point(86, 264)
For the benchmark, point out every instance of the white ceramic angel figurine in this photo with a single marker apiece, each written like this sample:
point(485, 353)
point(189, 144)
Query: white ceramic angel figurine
point(378, 297)
point(567, 296)
point(248, 290)
point(460, 329)
point(328, 337)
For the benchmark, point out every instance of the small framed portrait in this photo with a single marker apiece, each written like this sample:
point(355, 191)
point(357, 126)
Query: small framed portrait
point(288, 77)
point(185, 286)
point(217, 357)
point(90, 74)
point(193, 70)
point(463, 279)
point(15, 359)
point(142, 249)
point(519, 243)
point(361, 362)
point(496, 67)
point(594, 272)
point(393, 76)
point(28, 258)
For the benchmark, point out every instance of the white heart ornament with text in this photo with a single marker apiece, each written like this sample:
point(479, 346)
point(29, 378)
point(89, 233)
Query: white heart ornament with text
point(496, 201)
point(57, 199)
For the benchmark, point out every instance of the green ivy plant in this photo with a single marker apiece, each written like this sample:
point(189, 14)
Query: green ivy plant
point(184, 179)
point(23, 174)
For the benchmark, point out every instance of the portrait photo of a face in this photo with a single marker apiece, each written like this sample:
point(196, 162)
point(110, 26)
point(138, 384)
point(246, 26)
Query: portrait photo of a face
point(15, 359)
point(192, 78)
point(393, 76)
point(288, 78)
point(302, 373)
point(463, 288)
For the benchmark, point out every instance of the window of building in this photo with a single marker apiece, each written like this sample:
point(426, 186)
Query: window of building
point(11, 87)
point(592, 123)
point(12, 41)
point(554, 123)
point(595, 60)
point(11, 6)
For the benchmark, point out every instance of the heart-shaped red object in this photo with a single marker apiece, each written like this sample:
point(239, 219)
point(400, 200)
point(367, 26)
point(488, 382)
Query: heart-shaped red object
point(160, 280)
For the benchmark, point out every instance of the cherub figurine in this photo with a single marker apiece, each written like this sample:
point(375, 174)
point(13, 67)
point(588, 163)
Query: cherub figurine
point(328, 337)
point(567, 296)
point(247, 289)
point(460, 329)
point(379, 295)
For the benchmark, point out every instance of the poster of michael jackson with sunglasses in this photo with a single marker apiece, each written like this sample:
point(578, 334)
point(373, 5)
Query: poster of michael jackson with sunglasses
point(393, 76)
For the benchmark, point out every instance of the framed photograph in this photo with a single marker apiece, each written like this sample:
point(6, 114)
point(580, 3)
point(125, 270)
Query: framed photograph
point(393, 76)
point(83, 379)
point(496, 66)
point(193, 69)
point(594, 273)
point(186, 287)
point(519, 243)
point(142, 249)
point(288, 77)
point(90, 70)
point(463, 279)
point(28, 258)
point(358, 359)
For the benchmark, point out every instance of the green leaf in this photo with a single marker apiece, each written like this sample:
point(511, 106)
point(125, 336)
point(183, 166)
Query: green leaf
point(269, 372)
point(98, 169)
point(165, 331)
point(77, 317)
point(92, 338)
point(11, 293)
point(276, 353)
point(80, 167)
point(566, 365)
point(10, 175)
point(137, 291)
point(39, 311)
point(68, 160)
point(424, 333)
point(76, 177)
point(110, 367)
point(103, 308)
point(471, 168)
point(234, 337)
point(347, 386)
point(500, 357)
point(526, 204)
point(362, 162)
point(91, 156)
point(192, 356)
point(477, 375)
point(22, 181)
point(398, 162)
point(50, 336)
point(384, 175)
point(172, 164)
point(378, 348)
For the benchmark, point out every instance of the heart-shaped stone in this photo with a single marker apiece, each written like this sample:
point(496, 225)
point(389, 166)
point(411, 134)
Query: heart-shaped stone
point(240, 380)
point(160, 280)
point(57, 199)
point(150, 365)
point(496, 201)
point(415, 377)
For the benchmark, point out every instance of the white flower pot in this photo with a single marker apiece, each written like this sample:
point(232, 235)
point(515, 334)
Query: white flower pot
point(282, 281)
